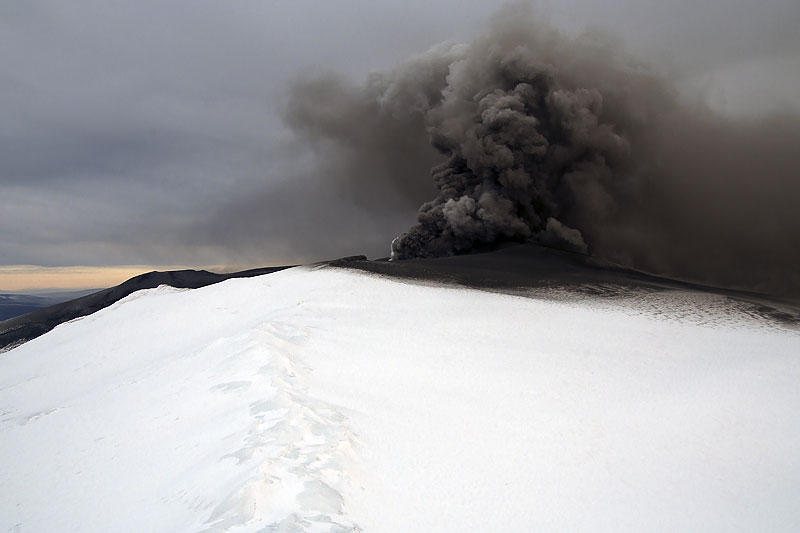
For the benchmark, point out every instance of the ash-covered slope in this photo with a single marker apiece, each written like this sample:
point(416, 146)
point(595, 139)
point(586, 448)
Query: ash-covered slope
point(528, 269)
point(20, 329)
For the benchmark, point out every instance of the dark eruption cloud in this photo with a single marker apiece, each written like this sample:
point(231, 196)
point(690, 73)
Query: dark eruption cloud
point(564, 140)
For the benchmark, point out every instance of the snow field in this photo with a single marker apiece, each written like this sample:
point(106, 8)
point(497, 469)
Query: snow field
point(328, 400)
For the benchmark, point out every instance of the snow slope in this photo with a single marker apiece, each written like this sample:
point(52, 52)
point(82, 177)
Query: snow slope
point(330, 400)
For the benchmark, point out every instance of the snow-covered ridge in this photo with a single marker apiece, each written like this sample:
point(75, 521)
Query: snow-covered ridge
point(20, 329)
point(330, 400)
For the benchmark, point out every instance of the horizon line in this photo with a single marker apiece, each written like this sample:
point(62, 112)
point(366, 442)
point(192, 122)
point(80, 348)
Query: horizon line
point(18, 278)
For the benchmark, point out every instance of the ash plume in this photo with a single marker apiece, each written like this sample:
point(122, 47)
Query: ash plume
point(571, 142)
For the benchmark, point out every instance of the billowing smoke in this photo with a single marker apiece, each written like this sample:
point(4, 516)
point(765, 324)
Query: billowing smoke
point(571, 142)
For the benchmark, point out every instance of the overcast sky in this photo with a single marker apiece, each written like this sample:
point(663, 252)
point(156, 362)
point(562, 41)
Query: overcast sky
point(152, 133)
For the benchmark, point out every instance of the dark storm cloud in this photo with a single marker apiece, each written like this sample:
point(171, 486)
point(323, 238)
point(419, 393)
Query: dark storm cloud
point(572, 142)
point(367, 187)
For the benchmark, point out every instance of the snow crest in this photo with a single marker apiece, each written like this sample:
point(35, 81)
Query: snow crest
point(173, 410)
point(300, 449)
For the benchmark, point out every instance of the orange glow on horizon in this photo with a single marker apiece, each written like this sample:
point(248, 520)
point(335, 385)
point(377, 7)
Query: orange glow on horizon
point(31, 277)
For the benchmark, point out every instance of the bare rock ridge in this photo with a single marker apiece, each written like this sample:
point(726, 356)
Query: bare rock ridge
point(515, 269)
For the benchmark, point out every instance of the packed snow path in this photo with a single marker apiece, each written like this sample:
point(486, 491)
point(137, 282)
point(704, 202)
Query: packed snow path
point(327, 400)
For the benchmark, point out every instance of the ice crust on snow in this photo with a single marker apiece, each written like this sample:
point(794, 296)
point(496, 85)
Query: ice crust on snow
point(330, 400)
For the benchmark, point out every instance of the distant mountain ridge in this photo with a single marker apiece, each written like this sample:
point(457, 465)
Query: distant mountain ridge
point(14, 304)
